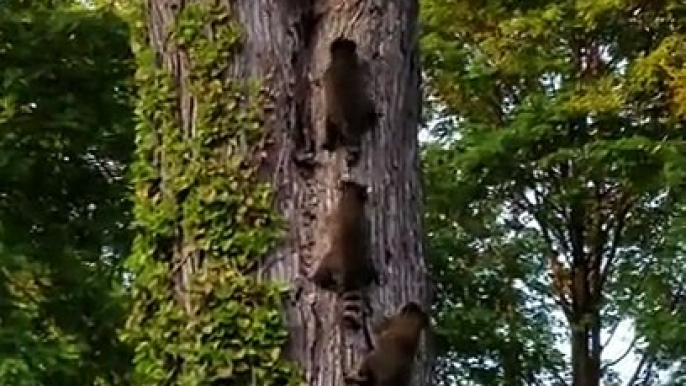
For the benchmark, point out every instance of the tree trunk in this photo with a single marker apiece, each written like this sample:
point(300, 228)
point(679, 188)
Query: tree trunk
point(286, 46)
point(585, 326)
point(295, 41)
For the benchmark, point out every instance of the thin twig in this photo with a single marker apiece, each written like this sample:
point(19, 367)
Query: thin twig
point(612, 334)
point(621, 357)
point(612, 253)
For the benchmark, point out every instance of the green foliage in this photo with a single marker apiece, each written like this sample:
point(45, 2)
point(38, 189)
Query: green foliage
point(567, 115)
point(492, 330)
point(65, 136)
point(198, 196)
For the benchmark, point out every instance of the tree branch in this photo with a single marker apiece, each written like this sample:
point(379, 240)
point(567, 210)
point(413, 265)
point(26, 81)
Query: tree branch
point(612, 334)
point(566, 307)
point(545, 226)
point(612, 252)
point(639, 368)
point(546, 233)
point(559, 378)
point(621, 357)
point(649, 371)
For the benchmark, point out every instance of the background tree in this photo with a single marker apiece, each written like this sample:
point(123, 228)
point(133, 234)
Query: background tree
point(566, 136)
point(65, 137)
point(228, 114)
point(494, 329)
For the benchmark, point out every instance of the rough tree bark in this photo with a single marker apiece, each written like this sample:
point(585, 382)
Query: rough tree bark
point(286, 46)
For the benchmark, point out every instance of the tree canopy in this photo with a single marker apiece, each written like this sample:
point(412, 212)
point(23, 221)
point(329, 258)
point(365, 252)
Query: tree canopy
point(66, 137)
point(561, 149)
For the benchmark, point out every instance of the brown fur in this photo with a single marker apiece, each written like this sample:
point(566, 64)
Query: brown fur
point(349, 111)
point(391, 361)
point(347, 265)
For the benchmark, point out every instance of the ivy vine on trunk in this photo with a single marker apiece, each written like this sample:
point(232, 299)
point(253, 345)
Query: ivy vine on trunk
point(204, 220)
